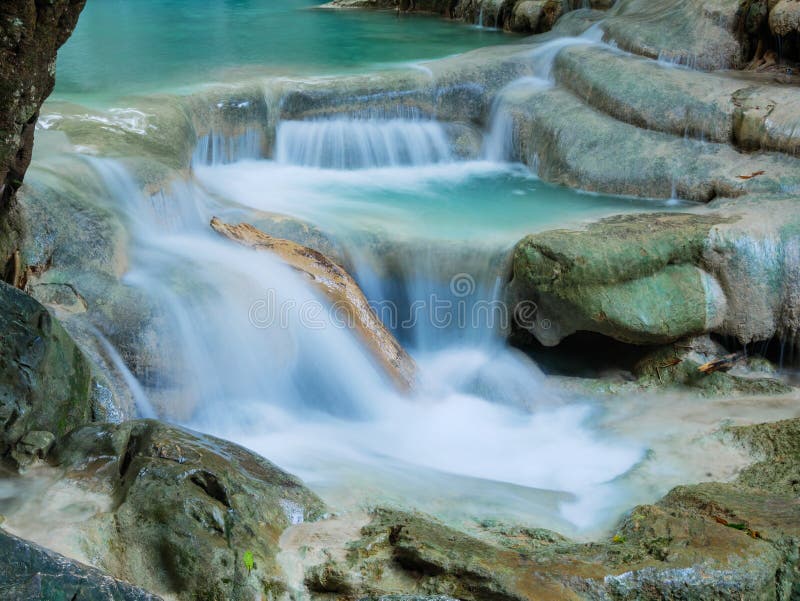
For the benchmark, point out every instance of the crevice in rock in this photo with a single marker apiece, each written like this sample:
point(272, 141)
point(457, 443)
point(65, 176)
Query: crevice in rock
point(583, 354)
point(781, 351)
point(211, 485)
point(127, 456)
point(763, 50)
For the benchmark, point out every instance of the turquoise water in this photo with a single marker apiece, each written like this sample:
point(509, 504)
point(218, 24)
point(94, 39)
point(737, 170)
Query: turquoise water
point(415, 222)
point(481, 202)
point(131, 47)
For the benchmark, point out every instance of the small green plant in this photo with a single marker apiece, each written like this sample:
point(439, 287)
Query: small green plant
point(249, 561)
point(618, 539)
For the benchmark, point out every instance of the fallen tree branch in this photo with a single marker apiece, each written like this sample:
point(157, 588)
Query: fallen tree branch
point(722, 364)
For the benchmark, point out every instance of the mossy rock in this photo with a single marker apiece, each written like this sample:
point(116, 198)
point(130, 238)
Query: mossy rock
point(44, 377)
point(194, 517)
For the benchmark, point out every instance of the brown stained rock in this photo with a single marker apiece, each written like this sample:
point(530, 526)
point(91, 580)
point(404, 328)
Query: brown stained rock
point(341, 290)
point(193, 517)
point(721, 541)
point(30, 34)
point(784, 18)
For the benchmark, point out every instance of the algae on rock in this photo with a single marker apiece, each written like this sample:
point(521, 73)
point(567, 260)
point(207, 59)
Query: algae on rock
point(44, 378)
point(188, 509)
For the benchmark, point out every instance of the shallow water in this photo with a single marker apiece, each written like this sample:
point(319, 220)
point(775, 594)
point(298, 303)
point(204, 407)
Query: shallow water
point(485, 434)
point(157, 45)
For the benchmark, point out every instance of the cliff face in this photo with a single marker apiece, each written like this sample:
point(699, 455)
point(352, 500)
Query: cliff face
point(31, 32)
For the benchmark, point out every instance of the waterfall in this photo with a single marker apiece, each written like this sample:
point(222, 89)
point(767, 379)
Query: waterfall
point(215, 148)
point(254, 354)
point(499, 144)
point(237, 316)
point(361, 143)
point(543, 56)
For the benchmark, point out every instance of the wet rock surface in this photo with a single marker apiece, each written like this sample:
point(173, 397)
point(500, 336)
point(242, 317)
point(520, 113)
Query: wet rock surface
point(708, 541)
point(44, 377)
point(567, 142)
point(657, 278)
point(30, 35)
point(192, 516)
point(199, 518)
point(29, 572)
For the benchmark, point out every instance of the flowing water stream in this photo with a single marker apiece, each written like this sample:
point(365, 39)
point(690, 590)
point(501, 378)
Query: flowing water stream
point(257, 356)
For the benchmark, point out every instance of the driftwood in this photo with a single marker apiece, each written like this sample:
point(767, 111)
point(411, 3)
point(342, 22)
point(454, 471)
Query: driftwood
point(340, 288)
point(722, 364)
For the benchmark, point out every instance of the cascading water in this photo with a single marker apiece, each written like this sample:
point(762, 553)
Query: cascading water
point(258, 358)
point(499, 144)
point(341, 143)
point(252, 358)
point(215, 148)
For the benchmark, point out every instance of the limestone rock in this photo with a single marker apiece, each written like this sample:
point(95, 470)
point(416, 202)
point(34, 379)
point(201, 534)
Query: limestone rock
point(767, 117)
point(535, 15)
point(621, 85)
point(677, 365)
point(723, 541)
point(193, 516)
point(711, 541)
point(784, 18)
point(44, 377)
point(696, 33)
point(656, 278)
point(340, 288)
point(30, 573)
point(570, 143)
point(777, 445)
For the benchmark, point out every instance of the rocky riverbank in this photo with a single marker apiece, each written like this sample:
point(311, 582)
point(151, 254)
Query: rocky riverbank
point(188, 516)
point(31, 35)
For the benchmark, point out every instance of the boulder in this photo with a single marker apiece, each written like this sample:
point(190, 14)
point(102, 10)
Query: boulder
point(29, 572)
point(568, 142)
point(32, 33)
point(784, 18)
point(657, 278)
point(44, 378)
point(192, 517)
point(341, 290)
point(634, 280)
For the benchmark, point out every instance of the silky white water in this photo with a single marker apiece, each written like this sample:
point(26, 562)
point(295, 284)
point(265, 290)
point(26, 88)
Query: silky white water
point(304, 392)
point(253, 354)
point(346, 143)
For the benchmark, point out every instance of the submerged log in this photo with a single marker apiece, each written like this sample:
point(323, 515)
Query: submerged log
point(340, 288)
